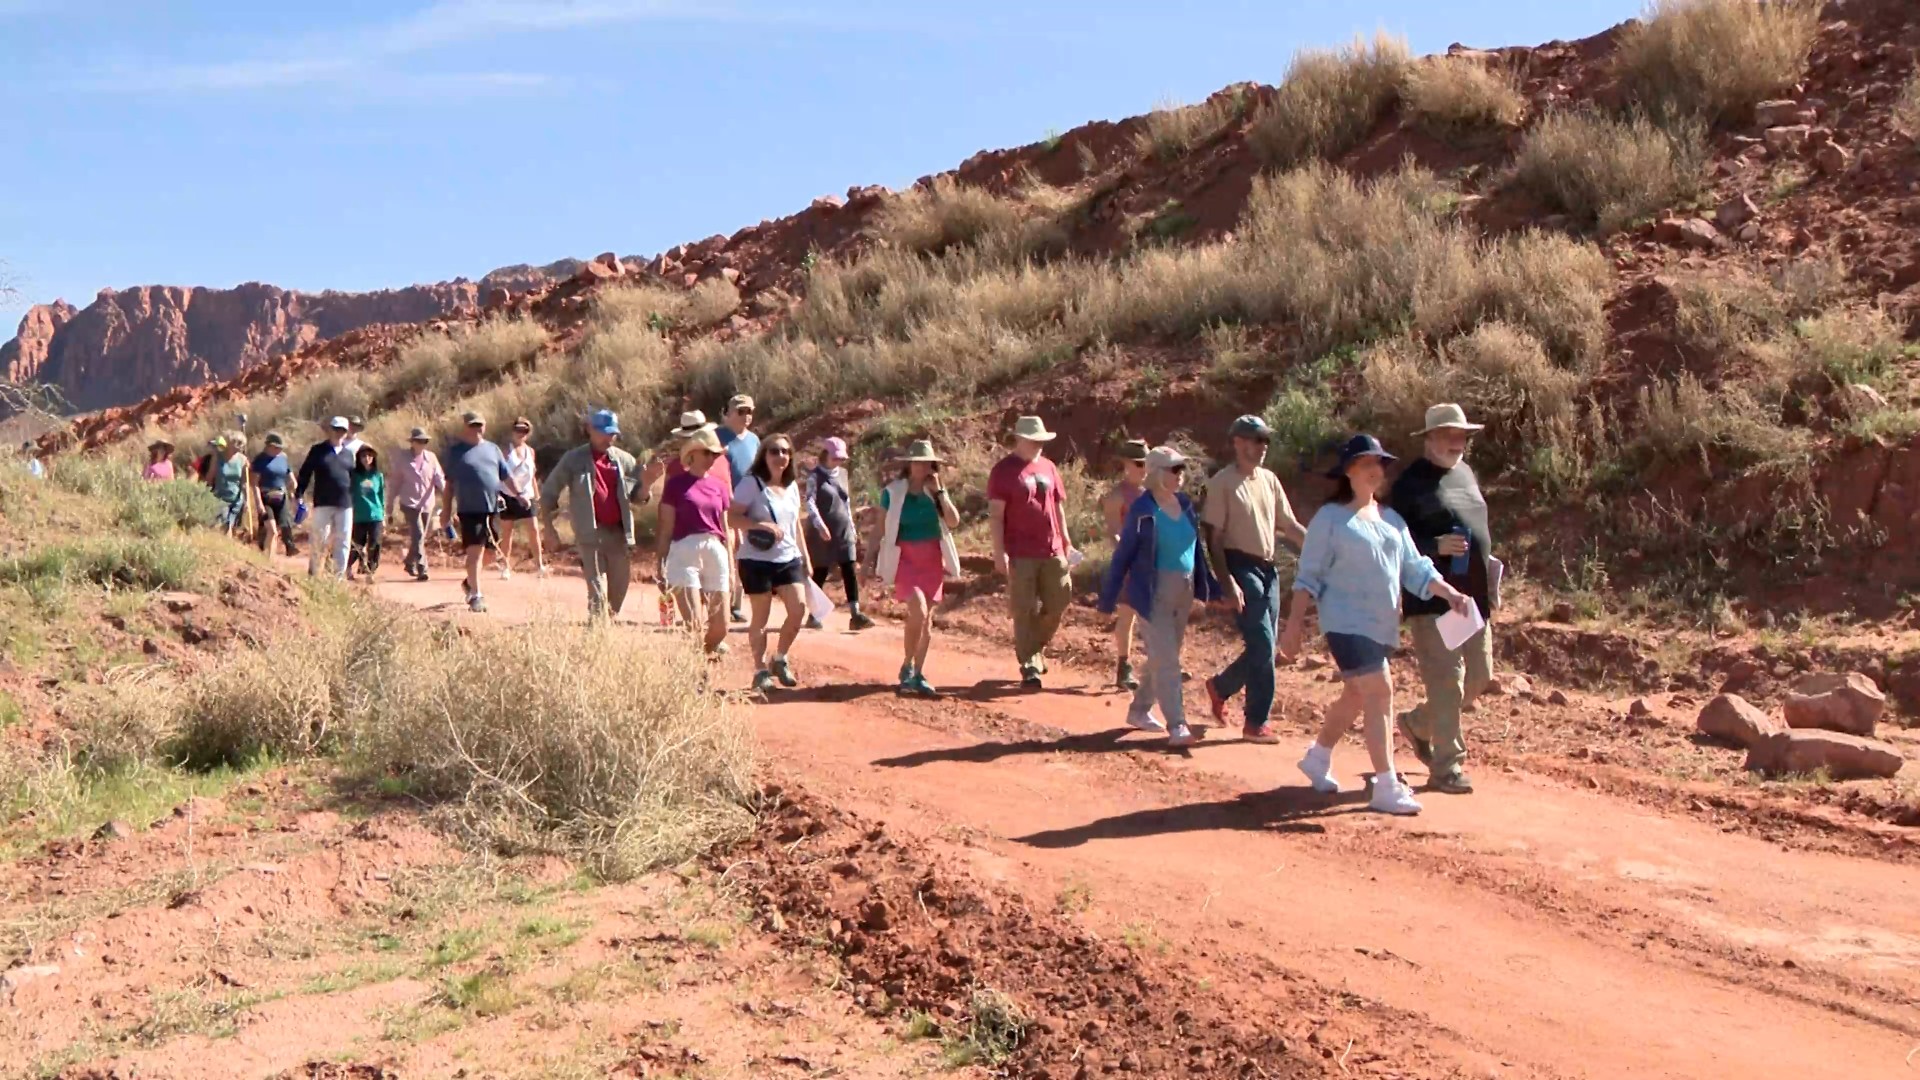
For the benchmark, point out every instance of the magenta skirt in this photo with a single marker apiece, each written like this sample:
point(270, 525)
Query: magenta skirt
point(922, 569)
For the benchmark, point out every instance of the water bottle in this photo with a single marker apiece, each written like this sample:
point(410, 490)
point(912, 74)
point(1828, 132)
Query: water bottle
point(1459, 566)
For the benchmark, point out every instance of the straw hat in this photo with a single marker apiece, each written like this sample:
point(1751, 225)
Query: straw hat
point(692, 421)
point(919, 450)
point(1447, 416)
point(703, 439)
point(1032, 428)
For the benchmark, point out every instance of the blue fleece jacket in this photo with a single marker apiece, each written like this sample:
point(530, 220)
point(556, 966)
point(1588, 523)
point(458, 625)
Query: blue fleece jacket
point(1132, 575)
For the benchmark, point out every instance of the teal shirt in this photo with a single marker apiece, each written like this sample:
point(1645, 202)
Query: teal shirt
point(919, 517)
point(1174, 542)
point(369, 496)
point(231, 479)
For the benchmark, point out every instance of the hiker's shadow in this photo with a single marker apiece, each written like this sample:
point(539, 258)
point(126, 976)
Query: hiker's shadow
point(1288, 809)
point(1110, 741)
point(833, 693)
point(991, 690)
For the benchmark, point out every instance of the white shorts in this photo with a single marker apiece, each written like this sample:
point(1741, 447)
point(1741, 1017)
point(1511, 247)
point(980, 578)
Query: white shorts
point(701, 563)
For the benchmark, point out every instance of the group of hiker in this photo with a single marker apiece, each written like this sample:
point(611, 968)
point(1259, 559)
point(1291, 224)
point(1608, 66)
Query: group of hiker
point(743, 525)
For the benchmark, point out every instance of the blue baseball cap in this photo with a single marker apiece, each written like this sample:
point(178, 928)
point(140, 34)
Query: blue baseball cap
point(605, 421)
point(1358, 447)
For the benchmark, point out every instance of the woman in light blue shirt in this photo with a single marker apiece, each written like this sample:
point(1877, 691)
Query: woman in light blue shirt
point(1357, 557)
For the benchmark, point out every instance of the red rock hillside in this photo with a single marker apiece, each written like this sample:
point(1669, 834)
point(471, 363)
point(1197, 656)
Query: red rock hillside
point(134, 343)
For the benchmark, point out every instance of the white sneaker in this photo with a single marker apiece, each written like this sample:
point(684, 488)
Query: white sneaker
point(1145, 721)
point(476, 602)
point(506, 573)
point(542, 572)
point(1393, 796)
point(1318, 767)
point(1180, 735)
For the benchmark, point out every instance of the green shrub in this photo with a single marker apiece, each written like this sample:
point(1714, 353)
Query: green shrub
point(1715, 59)
point(156, 508)
point(1329, 101)
point(1607, 173)
point(1684, 422)
point(112, 562)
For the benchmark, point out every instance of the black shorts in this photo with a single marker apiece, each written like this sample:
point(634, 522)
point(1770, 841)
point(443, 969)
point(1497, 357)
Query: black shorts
point(516, 509)
point(481, 529)
point(758, 577)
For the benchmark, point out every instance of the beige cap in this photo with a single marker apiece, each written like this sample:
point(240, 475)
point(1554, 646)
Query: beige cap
point(470, 418)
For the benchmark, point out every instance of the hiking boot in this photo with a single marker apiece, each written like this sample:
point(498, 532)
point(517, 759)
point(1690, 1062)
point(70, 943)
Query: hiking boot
point(476, 603)
point(1391, 795)
point(813, 623)
point(1262, 735)
point(1317, 766)
point(1453, 783)
point(1030, 677)
point(1422, 749)
point(1216, 704)
point(783, 670)
point(763, 682)
point(1145, 721)
point(1124, 677)
point(420, 573)
point(1180, 736)
point(735, 615)
point(859, 621)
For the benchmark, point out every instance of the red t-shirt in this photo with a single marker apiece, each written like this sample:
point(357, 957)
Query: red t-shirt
point(1031, 491)
point(725, 476)
point(606, 492)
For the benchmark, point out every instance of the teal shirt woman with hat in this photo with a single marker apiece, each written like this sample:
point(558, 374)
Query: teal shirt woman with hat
point(917, 554)
point(1357, 558)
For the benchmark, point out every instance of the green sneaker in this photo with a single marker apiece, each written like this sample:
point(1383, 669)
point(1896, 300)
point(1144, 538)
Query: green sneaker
point(919, 686)
point(906, 674)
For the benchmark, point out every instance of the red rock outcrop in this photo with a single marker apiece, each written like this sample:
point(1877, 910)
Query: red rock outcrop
point(133, 343)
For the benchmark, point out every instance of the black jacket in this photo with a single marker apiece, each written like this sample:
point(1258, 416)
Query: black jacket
point(1433, 501)
point(329, 473)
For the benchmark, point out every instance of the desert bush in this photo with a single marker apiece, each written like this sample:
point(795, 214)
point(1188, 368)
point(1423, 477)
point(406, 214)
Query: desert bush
point(257, 704)
point(1849, 344)
point(929, 221)
point(425, 365)
point(496, 345)
point(1329, 101)
point(1715, 59)
point(1684, 422)
point(112, 561)
point(710, 303)
point(158, 508)
point(1906, 109)
point(122, 723)
point(652, 306)
point(1451, 97)
point(563, 738)
point(1305, 422)
point(1172, 129)
point(334, 393)
point(1608, 173)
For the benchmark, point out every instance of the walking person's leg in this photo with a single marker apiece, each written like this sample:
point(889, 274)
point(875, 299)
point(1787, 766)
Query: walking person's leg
point(793, 598)
point(717, 623)
point(1443, 673)
point(1390, 794)
point(1251, 623)
point(1259, 638)
point(1318, 763)
point(850, 581)
point(1054, 586)
point(912, 652)
point(1023, 601)
point(376, 535)
point(617, 562)
point(342, 538)
point(593, 565)
point(1125, 620)
point(504, 558)
point(416, 541)
point(316, 539)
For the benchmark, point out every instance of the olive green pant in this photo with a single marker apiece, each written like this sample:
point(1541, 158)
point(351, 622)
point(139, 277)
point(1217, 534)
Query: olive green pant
point(1454, 679)
point(1039, 590)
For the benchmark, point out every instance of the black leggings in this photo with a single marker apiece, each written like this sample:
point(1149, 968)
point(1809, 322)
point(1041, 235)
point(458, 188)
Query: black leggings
point(849, 576)
point(366, 544)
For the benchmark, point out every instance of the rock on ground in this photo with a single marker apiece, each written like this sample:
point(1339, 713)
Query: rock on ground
point(1844, 757)
point(1849, 703)
point(1732, 719)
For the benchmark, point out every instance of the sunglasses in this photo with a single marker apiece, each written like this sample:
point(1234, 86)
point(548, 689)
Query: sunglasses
point(475, 427)
point(1177, 470)
point(778, 451)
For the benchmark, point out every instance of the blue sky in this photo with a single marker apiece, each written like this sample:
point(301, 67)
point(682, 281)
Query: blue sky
point(366, 143)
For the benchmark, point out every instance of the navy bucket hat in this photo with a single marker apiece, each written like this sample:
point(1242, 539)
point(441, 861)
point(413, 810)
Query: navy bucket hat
point(1360, 446)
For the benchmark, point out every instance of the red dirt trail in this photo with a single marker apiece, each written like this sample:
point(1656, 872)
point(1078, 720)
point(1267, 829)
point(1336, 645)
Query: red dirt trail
point(1538, 928)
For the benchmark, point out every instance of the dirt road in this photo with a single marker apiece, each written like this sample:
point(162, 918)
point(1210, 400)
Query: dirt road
point(1536, 928)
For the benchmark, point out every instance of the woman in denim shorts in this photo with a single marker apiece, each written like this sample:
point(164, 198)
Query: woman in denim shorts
point(1357, 557)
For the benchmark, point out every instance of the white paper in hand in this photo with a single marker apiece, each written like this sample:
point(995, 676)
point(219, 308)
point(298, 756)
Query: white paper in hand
point(1455, 628)
point(819, 604)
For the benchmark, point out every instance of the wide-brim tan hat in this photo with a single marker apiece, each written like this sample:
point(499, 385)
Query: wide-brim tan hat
point(692, 422)
point(704, 439)
point(919, 450)
point(1033, 429)
point(159, 443)
point(1441, 417)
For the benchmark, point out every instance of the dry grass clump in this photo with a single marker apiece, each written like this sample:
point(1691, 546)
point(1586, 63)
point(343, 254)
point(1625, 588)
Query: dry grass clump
point(1608, 173)
point(1906, 110)
point(1684, 422)
point(930, 221)
point(256, 704)
point(710, 303)
point(563, 738)
point(1329, 101)
point(425, 365)
point(659, 309)
point(1172, 129)
point(1452, 97)
point(1715, 59)
point(496, 345)
point(309, 403)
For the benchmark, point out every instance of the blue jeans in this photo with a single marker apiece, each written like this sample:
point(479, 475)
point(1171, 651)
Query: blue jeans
point(1258, 620)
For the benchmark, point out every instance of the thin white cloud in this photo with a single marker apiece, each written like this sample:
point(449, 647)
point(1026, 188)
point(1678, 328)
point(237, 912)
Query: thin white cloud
point(369, 61)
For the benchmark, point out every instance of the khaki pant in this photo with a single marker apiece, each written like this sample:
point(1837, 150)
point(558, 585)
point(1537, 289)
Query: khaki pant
point(1453, 680)
point(605, 552)
point(1039, 590)
point(1165, 633)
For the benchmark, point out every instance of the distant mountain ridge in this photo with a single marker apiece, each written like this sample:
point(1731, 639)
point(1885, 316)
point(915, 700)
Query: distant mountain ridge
point(130, 344)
